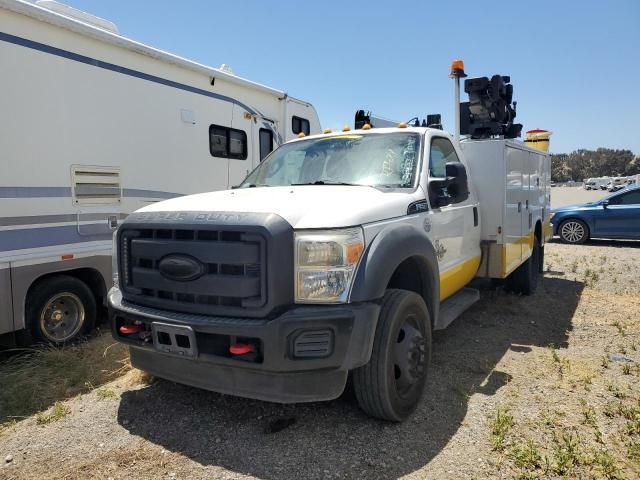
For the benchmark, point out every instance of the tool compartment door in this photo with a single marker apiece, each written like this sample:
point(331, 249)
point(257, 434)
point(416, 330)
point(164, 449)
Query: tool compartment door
point(514, 210)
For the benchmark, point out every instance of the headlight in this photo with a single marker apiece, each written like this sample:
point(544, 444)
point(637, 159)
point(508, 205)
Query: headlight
point(325, 263)
point(114, 259)
point(551, 216)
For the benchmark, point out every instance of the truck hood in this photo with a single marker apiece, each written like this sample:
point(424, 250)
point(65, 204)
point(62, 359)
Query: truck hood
point(307, 206)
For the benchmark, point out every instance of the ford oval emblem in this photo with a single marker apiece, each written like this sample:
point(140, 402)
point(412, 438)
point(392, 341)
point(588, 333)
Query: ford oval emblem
point(180, 268)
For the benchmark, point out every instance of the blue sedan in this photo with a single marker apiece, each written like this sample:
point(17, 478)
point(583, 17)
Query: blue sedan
point(615, 216)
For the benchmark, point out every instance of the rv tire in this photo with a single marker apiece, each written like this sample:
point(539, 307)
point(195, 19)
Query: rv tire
point(60, 309)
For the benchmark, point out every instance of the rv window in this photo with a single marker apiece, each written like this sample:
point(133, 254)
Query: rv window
point(442, 152)
point(266, 142)
point(300, 125)
point(237, 144)
point(227, 142)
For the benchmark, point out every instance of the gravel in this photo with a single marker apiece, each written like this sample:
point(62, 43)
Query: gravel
point(496, 354)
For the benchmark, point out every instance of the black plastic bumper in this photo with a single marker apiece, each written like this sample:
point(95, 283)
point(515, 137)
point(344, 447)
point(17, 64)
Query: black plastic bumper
point(281, 373)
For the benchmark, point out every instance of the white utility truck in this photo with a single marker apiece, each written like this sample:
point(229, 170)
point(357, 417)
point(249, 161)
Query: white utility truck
point(95, 126)
point(340, 253)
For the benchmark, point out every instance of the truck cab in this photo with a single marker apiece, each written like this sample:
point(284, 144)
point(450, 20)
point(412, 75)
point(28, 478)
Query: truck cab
point(338, 255)
point(296, 267)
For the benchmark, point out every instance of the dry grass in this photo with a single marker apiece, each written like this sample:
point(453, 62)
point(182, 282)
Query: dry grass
point(35, 379)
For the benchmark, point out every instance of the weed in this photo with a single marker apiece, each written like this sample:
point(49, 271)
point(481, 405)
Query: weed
point(633, 451)
point(615, 390)
point(607, 465)
point(605, 361)
point(574, 267)
point(626, 369)
point(35, 379)
point(554, 355)
point(59, 410)
point(106, 393)
point(611, 410)
point(620, 328)
point(500, 425)
point(589, 415)
point(565, 453)
point(525, 455)
point(633, 426)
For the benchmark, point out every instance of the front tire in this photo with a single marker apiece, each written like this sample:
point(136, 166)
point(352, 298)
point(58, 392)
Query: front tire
point(390, 386)
point(573, 231)
point(60, 309)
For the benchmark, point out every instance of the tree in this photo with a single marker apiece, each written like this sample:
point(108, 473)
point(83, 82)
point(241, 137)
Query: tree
point(603, 162)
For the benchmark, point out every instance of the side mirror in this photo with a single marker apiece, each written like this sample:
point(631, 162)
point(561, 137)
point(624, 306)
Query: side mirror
point(454, 188)
point(604, 203)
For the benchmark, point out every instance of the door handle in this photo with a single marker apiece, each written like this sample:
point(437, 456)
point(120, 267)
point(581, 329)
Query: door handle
point(527, 204)
point(519, 207)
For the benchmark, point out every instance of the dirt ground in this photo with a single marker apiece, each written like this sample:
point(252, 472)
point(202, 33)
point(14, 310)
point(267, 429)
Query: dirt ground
point(561, 196)
point(546, 386)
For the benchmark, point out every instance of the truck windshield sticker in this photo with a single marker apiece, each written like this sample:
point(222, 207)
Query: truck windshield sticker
point(409, 160)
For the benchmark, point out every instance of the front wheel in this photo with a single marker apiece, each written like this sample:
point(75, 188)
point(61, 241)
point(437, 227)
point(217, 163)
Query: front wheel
point(60, 309)
point(390, 386)
point(573, 231)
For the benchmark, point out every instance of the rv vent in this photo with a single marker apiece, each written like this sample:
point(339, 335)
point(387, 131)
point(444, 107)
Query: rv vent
point(95, 185)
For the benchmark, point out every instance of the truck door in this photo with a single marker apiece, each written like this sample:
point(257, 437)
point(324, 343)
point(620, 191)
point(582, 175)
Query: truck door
point(515, 209)
point(455, 233)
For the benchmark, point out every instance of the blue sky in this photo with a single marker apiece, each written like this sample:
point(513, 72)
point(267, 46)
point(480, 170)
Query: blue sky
point(574, 64)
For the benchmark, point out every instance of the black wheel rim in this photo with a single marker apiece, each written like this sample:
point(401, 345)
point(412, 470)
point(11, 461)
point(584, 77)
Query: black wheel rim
point(408, 356)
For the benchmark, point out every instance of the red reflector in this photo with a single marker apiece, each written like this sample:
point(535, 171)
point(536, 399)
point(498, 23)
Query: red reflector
point(67, 257)
point(129, 329)
point(241, 348)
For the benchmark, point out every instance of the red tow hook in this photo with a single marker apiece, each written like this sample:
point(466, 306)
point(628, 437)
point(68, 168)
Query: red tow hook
point(241, 348)
point(129, 329)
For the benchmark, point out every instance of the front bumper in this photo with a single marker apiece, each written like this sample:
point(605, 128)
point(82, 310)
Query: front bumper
point(280, 373)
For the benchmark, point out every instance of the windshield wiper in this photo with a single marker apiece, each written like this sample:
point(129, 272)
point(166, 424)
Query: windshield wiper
point(254, 185)
point(329, 182)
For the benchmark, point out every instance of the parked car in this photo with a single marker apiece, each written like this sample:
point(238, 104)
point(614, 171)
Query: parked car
point(615, 216)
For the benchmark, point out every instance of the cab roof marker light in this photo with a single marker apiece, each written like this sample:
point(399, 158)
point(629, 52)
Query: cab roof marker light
point(346, 128)
point(327, 130)
point(402, 125)
point(366, 126)
point(301, 134)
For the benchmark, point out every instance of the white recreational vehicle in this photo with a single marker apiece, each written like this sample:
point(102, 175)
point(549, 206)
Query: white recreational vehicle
point(95, 126)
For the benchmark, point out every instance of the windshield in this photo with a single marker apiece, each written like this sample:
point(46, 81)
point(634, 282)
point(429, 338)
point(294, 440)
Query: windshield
point(375, 159)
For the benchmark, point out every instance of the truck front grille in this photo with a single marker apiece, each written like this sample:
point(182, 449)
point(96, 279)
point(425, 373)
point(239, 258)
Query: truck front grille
point(229, 264)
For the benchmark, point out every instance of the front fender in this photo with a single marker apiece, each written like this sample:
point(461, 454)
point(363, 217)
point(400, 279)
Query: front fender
point(391, 247)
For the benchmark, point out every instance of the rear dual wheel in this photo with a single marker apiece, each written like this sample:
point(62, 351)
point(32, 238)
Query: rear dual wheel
point(390, 386)
point(525, 278)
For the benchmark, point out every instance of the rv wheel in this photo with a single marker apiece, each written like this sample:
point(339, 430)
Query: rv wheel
point(60, 309)
point(391, 384)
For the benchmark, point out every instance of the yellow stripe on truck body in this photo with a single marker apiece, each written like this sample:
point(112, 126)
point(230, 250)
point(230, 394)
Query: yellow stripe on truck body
point(457, 277)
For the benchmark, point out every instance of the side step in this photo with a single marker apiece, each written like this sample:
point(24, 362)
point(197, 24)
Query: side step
point(455, 306)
